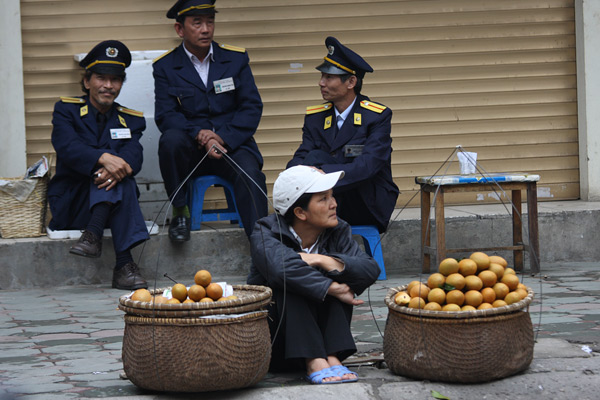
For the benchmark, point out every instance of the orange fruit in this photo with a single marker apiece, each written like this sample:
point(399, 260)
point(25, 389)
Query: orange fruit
point(206, 300)
point(467, 308)
point(485, 306)
point(498, 260)
point(501, 290)
point(488, 278)
point(473, 298)
point(437, 295)
point(522, 293)
point(141, 295)
point(223, 299)
point(232, 297)
point(497, 269)
point(196, 292)
point(521, 286)
point(451, 307)
point(214, 291)
point(416, 302)
point(499, 303)
point(455, 297)
point(433, 306)
point(410, 285)
point(421, 290)
point(467, 267)
point(473, 282)
point(512, 297)
point(448, 266)
point(435, 280)
point(173, 301)
point(179, 291)
point(509, 271)
point(510, 280)
point(488, 295)
point(202, 278)
point(456, 280)
point(482, 260)
point(159, 299)
point(401, 298)
point(188, 301)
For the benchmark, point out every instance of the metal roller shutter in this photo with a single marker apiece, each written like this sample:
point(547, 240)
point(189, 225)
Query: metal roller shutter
point(497, 77)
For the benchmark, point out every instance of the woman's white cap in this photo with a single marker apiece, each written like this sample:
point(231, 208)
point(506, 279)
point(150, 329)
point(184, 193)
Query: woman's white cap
point(295, 181)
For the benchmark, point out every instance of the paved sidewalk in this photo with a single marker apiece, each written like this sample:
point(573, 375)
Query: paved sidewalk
point(65, 343)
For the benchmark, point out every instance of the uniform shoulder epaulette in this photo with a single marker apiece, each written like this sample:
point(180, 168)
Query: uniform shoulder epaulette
point(318, 108)
point(76, 100)
point(163, 54)
point(232, 48)
point(129, 111)
point(369, 105)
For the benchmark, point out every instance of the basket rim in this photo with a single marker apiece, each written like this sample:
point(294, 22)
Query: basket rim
point(203, 320)
point(260, 295)
point(389, 301)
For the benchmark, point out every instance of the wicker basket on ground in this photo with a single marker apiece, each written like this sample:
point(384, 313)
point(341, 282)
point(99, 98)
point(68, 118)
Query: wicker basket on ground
point(21, 219)
point(462, 347)
point(198, 347)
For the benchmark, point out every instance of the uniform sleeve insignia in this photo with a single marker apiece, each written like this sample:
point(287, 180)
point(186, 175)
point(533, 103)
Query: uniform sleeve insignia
point(357, 119)
point(129, 111)
point(162, 55)
point(122, 121)
point(318, 108)
point(327, 124)
point(232, 48)
point(369, 105)
point(83, 111)
point(75, 100)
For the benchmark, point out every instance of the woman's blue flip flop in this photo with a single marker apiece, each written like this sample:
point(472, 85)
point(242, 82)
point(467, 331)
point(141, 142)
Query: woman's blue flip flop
point(316, 378)
point(340, 370)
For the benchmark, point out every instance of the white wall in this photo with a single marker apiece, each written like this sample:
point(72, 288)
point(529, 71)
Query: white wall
point(587, 20)
point(13, 156)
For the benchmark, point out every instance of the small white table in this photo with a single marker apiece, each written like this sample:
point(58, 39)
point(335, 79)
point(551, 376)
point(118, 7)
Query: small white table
point(514, 182)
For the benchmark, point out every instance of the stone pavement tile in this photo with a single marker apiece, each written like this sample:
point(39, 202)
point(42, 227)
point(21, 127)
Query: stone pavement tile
point(117, 346)
point(23, 352)
point(58, 336)
point(49, 396)
point(39, 388)
point(82, 366)
point(97, 376)
point(108, 333)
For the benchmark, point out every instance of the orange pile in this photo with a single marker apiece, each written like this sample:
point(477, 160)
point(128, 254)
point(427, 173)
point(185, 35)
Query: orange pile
point(202, 291)
point(477, 282)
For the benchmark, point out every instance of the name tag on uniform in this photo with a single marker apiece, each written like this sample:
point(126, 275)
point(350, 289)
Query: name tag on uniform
point(224, 85)
point(120, 133)
point(353, 150)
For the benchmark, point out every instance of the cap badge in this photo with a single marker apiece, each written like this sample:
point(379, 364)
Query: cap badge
point(112, 52)
point(330, 50)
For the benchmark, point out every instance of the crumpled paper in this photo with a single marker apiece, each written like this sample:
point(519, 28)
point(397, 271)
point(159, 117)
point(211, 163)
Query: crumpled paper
point(21, 189)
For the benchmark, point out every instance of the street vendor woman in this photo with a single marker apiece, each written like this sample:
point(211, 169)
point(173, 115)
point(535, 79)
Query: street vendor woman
point(306, 254)
point(350, 133)
point(98, 152)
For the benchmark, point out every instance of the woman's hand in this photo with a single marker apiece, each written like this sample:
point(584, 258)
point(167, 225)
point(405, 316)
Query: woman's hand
point(343, 293)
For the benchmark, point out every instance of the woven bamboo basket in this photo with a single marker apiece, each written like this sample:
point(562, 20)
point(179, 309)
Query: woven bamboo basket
point(462, 347)
point(212, 346)
point(24, 219)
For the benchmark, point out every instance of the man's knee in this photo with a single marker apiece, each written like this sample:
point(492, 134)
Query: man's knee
point(173, 142)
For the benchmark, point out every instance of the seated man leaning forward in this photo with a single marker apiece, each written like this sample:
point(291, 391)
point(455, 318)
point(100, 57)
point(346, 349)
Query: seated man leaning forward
point(351, 133)
point(314, 267)
point(98, 151)
point(207, 105)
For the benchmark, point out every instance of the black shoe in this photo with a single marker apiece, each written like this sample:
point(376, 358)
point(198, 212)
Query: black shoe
point(88, 245)
point(179, 230)
point(128, 278)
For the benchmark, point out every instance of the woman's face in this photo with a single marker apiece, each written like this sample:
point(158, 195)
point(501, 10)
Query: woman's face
point(321, 210)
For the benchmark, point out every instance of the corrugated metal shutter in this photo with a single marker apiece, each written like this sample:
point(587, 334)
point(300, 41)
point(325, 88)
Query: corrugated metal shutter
point(497, 77)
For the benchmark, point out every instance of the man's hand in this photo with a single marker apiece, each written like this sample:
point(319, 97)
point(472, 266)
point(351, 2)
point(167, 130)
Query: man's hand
point(343, 293)
point(214, 150)
point(113, 170)
point(324, 262)
point(205, 135)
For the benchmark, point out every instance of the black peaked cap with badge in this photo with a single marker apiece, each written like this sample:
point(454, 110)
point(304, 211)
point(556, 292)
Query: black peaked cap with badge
point(191, 7)
point(108, 57)
point(340, 60)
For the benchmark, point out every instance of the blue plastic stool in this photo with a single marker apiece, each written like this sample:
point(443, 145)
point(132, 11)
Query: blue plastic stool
point(372, 243)
point(196, 193)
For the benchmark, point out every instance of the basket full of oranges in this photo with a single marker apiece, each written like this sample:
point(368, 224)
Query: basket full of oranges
point(195, 339)
point(468, 322)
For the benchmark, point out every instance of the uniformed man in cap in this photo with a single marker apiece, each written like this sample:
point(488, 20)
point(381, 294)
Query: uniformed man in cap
point(352, 134)
point(206, 101)
point(97, 144)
